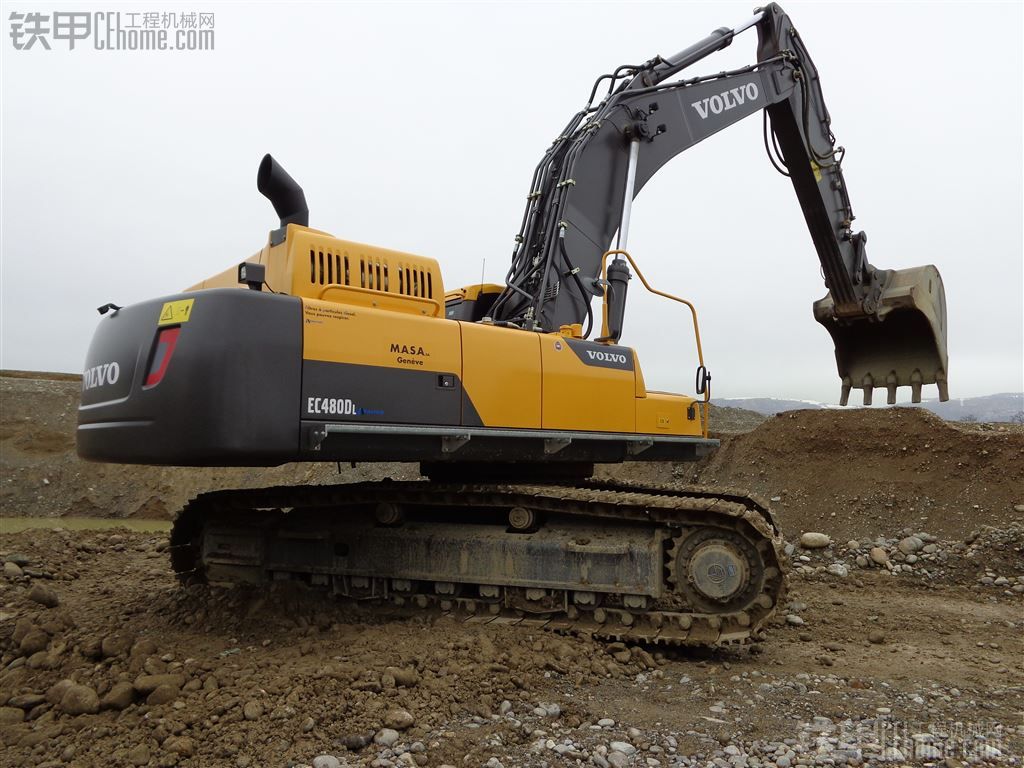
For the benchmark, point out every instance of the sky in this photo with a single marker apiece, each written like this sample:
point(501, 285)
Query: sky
point(127, 175)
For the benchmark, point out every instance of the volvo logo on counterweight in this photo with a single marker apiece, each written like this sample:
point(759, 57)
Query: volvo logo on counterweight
point(100, 375)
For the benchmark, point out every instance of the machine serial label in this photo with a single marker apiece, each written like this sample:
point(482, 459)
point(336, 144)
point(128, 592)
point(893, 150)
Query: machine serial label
point(337, 406)
point(176, 312)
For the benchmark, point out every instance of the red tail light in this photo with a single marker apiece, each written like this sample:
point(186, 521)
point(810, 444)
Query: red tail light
point(165, 344)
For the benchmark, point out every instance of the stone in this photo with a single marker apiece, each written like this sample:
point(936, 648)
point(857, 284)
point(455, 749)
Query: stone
point(853, 544)
point(399, 719)
point(308, 725)
point(356, 741)
point(21, 628)
point(34, 642)
point(252, 710)
point(838, 569)
point(617, 760)
point(386, 737)
point(56, 691)
point(44, 660)
point(910, 545)
point(42, 594)
point(814, 540)
point(163, 694)
point(876, 637)
point(180, 745)
point(622, 746)
point(11, 715)
point(115, 645)
point(80, 700)
point(406, 678)
point(606, 722)
point(879, 556)
point(143, 647)
point(26, 700)
point(119, 697)
point(139, 755)
point(1018, 507)
point(794, 620)
point(926, 752)
point(326, 761)
point(13, 570)
point(146, 684)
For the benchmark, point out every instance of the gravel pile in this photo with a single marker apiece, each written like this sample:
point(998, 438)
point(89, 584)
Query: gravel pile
point(990, 559)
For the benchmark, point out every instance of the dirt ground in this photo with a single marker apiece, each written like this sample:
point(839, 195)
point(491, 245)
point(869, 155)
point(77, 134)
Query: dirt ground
point(900, 643)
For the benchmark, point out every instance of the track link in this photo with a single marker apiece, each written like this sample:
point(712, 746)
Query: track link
point(670, 565)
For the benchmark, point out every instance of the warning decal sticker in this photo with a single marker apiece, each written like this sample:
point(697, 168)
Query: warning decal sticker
point(175, 312)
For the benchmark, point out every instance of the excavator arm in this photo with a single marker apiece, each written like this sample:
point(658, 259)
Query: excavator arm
point(888, 326)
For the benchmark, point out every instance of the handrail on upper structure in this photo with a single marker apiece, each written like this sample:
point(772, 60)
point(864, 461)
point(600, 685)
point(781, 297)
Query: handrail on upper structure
point(656, 292)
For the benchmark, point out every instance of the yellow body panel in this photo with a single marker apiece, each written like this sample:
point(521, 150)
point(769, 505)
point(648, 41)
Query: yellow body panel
point(312, 264)
point(369, 306)
point(473, 292)
point(337, 333)
point(584, 397)
point(666, 414)
point(502, 375)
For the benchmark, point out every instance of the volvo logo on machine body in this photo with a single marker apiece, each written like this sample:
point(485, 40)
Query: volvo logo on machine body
point(607, 357)
point(101, 375)
point(602, 355)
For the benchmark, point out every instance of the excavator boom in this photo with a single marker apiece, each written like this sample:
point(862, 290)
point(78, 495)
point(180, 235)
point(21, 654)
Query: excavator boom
point(888, 325)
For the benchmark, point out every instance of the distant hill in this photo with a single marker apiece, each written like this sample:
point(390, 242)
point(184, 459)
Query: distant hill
point(1006, 406)
point(769, 406)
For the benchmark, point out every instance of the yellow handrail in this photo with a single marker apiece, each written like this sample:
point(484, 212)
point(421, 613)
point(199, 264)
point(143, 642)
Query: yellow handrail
point(656, 292)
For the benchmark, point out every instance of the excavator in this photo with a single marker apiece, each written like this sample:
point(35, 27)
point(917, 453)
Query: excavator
point(507, 395)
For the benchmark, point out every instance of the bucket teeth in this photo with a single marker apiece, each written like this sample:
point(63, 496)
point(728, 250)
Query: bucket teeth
point(844, 396)
point(943, 385)
point(915, 386)
point(891, 382)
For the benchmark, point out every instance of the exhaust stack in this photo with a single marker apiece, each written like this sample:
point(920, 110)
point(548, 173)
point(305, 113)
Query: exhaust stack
point(285, 195)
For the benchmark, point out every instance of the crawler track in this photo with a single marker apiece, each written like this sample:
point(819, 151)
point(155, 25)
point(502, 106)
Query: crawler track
point(660, 564)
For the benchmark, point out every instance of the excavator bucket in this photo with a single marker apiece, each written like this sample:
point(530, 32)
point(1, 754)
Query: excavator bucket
point(904, 345)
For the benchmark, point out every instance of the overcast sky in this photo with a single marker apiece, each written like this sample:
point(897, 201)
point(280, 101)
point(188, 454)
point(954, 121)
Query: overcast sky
point(128, 175)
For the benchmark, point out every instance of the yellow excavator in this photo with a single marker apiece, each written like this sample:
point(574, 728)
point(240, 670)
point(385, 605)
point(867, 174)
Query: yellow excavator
point(322, 349)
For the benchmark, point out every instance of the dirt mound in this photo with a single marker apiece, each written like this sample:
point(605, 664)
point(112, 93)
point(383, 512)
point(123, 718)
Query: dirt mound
point(866, 472)
point(726, 420)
